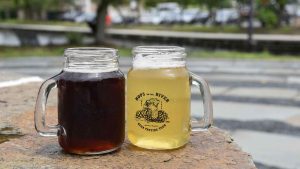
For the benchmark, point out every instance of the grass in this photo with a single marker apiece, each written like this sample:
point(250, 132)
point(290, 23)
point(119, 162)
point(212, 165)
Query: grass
point(183, 28)
point(210, 29)
point(61, 23)
point(224, 54)
point(7, 52)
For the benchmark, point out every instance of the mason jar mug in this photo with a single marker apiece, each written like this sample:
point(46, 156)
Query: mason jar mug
point(159, 97)
point(91, 102)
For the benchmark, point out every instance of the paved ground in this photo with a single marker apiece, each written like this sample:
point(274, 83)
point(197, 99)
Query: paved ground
point(257, 101)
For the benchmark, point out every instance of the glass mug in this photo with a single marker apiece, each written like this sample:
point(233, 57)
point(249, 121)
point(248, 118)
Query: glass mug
point(91, 102)
point(159, 96)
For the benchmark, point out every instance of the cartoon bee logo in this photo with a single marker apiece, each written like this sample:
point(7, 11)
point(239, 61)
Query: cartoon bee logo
point(151, 112)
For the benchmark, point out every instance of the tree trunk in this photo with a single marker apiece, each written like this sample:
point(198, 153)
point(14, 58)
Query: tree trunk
point(6, 14)
point(100, 21)
point(280, 14)
point(43, 14)
point(140, 9)
point(211, 15)
point(20, 14)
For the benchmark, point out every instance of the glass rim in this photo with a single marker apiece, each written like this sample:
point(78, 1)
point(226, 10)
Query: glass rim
point(156, 48)
point(90, 50)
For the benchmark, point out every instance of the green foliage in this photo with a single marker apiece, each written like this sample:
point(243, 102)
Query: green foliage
point(211, 4)
point(6, 4)
point(282, 2)
point(212, 28)
point(225, 54)
point(75, 38)
point(271, 12)
point(267, 16)
point(266, 12)
point(113, 2)
point(32, 4)
point(152, 3)
point(6, 52)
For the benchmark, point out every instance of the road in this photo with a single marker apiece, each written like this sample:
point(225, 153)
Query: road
point(256, 101)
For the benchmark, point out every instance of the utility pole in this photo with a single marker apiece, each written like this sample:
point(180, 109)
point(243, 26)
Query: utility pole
point(250, 24)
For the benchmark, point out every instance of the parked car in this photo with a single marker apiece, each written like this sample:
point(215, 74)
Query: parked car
point(168, 12)
point(146, 17)
point(155, 16)
point(116, 18)
point(226, 16)
point(202, 17)
point(189, 15)
point(70, 15)
point(75, 16)
point(255, 23)
point(85, 17)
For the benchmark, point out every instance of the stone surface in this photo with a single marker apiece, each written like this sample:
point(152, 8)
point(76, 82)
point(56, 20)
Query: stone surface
point(210, 149)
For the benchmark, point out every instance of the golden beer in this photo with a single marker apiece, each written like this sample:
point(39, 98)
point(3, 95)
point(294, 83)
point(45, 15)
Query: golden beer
point(159, 97)
point(158, 107)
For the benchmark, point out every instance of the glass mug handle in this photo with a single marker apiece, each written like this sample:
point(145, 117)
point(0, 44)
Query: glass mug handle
point(40, 110)
point(207, 119)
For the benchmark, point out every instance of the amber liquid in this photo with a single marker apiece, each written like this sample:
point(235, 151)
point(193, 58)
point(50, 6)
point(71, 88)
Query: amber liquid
point(91, 110)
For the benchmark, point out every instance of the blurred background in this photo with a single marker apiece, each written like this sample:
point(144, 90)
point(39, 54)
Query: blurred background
point(248, 50)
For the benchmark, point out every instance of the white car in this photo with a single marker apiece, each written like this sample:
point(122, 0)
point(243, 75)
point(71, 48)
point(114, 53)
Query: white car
point(115, 17)
point(168, 12)
point(157, 17)
point(226, 15)
point(85, 17)
point(163, 13)
point(70, 15)
point(255, 23)
point(189, 15)
point(150, 17)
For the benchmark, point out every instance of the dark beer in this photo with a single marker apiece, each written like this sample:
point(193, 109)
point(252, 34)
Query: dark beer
point(91, 111)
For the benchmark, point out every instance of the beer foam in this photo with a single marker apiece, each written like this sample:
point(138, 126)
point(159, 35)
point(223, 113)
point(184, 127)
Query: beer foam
point(157, 61)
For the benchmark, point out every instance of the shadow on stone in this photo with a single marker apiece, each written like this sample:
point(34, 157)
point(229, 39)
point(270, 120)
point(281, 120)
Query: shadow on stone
point(55, 151)
point(50, 150)
point(132, 147)
point(8, 133)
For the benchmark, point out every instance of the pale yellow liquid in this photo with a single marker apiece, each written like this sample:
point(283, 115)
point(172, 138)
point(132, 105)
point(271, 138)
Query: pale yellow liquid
point(173, 83)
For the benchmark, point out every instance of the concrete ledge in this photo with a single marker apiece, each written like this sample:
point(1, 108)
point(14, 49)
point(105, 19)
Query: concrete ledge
point(273, 42)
